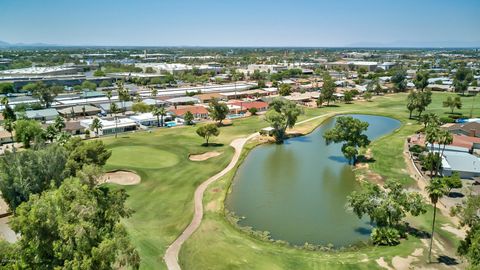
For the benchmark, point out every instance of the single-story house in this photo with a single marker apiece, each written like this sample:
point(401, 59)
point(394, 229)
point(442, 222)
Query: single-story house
point(41, 115)
point(183, 100)
point(247, 105)
point(148, 119)
point(92, 94)
point(79, 110)
point(74, 127)
point(122, 106)
point(466, 164)
point(154, 102)
point(198, 111)
point(471, 129)
point(207, 97)
point(109, 126)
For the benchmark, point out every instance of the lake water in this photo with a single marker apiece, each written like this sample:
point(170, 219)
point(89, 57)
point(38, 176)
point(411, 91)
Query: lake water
point(298, 190)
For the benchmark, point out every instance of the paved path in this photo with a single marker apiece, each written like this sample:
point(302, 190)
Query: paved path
point(171, 255)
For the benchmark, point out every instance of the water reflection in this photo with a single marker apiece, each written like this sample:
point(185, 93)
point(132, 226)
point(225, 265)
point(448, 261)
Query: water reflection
point(297, 191)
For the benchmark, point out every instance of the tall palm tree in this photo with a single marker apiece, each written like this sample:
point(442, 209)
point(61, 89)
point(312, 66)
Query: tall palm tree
point(109, 96)
point(444, 138)
point(432, 135)
point(96, 125)
point(436, 190)
point(159, 112)
point(114, 111)
point(154, 94)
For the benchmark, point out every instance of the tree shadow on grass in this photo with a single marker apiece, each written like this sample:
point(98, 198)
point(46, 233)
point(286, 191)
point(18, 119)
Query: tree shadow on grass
point(455, 194)
point(212, 144)
point(364, 159)
point(447, 260)
point(421, 234)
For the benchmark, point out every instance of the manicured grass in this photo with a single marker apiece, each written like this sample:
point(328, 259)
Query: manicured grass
point(229, 248)
point(142, 157)
point(163, 202)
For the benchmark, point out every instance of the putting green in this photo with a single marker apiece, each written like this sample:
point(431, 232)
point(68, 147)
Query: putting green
point(142, 157)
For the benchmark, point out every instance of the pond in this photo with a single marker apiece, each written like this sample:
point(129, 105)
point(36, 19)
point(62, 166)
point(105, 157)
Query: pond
point(297, 191)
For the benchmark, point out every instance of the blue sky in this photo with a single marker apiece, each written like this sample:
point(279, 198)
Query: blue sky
point(242, 22)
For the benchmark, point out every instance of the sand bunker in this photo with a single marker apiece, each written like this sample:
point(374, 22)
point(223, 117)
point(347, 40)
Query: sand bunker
point(204, 156)
point(120, 177)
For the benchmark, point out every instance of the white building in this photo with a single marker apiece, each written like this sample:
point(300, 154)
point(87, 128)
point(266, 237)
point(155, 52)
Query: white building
point(109, 126)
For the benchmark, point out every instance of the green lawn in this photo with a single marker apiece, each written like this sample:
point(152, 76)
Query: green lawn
point(163, 201)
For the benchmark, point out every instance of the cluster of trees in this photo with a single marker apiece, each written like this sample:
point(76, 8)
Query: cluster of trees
point(218, 111)
point(6, 88)
point(387, 209)
point(399, 80)
point(284, 89)
point(463, 78)
point(468, 213)
point(328, 90)
point(64, 219)
point(453, 103)
point(45, 93)
point(350, 131)
point(418, 101)
point(282, 114)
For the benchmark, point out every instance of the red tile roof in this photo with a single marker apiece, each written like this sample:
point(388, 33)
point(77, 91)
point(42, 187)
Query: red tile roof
point(193, 109)
point(251, 104)
point(458, 140)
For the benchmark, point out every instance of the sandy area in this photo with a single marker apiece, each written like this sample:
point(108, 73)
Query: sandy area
point(460, 233)
point(120, 177)
point(204, 156)
point(3, 206)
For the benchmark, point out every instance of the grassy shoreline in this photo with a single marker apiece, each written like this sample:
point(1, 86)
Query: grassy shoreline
point(163, 202)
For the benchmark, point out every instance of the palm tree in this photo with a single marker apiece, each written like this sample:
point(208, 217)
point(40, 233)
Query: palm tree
point(109, 96)
point(432, 135)
point(436, 190)
point(154, 94)
point(114, 111)
point(96, 125)
point(159, 112)
point(444, 138)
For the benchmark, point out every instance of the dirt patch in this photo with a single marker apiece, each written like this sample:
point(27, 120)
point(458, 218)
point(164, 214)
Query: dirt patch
point(3, 206)
point(458, 232)
point(382, 263)
point(204, 156)
point(406, 263)
point(120, 177)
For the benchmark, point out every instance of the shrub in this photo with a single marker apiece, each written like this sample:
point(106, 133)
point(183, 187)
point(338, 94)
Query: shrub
point(456, 116)
point(446, 120)
point(253, 111)
point(417, 149)
point(385, 236)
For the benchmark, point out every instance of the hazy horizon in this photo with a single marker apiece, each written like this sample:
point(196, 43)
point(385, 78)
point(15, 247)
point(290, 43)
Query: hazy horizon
point(248, 23)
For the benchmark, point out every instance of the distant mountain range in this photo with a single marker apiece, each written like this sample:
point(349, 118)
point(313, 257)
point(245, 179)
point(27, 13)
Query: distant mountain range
point(396, 44)
point(4, 44)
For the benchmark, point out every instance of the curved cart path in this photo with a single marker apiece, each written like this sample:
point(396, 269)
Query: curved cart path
point(171, 255)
